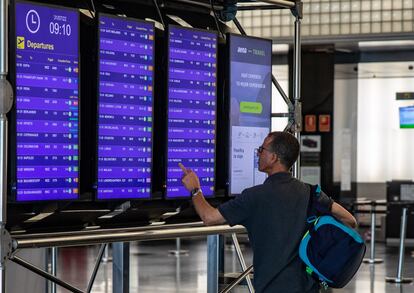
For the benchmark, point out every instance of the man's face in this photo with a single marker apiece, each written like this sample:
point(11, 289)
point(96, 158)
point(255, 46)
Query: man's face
point(266, 156)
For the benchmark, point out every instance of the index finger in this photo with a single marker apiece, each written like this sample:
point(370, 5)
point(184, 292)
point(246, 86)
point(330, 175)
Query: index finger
point(184, 169)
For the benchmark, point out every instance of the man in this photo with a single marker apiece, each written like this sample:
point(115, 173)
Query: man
point(274, 214)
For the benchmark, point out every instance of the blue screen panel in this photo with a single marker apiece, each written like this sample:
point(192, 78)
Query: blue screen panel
point(47, 102)
point(250, 108)
point(126, 73)
point(407, 117)
point(191, 108)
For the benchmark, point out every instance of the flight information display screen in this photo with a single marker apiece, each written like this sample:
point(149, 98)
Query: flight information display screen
point(191, 108)
point(250, 108)
point(126, 73)
point(47, 102)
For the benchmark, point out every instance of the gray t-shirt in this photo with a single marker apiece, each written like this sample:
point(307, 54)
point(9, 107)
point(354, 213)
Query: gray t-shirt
point(274, 214)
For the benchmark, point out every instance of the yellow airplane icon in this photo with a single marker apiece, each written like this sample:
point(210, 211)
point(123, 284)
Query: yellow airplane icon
point(20, 42)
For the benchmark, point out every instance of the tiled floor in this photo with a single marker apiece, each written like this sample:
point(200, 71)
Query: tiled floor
point(153, 269)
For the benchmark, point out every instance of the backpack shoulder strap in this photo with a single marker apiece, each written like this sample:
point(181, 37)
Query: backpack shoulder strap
point(311, 214)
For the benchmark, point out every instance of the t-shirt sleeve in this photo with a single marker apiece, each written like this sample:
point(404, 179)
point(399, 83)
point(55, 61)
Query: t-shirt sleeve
point(237, 211)
point(323, 203)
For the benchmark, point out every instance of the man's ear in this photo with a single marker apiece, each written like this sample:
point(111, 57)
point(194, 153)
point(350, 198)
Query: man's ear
point(275, 158)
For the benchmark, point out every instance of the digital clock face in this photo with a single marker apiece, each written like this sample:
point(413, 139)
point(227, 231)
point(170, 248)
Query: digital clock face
point(47, 103)
point(60, 29)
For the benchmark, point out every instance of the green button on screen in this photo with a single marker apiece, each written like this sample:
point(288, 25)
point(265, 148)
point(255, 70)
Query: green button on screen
point(251, 107)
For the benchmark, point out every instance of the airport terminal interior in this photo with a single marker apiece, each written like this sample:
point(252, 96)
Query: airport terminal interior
point(100, 101)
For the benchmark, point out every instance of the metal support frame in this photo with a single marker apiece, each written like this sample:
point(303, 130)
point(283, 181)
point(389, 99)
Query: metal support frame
point(238, 280)
point(44, 274)
point(274, 4)
point(282, 93)
point(52, 276)
point(297, 117)
point(121, 250)
point(242, 262)
point(400, 279)
point(239, 26)
point(79, 238)
point(101, 252)
point(372, 259)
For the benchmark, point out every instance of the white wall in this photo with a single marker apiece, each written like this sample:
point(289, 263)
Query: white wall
point(384, 151)
point(345, 117)
point(281, 73)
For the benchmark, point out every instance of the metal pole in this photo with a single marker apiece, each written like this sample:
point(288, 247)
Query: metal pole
point(241, 260)
point(402, 243)
point(239, 26)
point(372, 259)
point(54, 266)
point(6, 102)
point(96, 268)
point(105, 258)
point(3, 279)
point(297, 89)
point(3, 190)
point(373, 223)
point(400, 278)
point(3, 135)
point(4, 66)
point(77, 238)
point(47, 289)
point(257, 7)
point(178, 251)
point(372, 279)
point(120, 265)
point(281, 92)
point(212, 263)
point(281, 3)
point(3, 170)
point(44, 274)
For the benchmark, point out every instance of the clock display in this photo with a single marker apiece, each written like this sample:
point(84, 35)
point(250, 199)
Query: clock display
point(60, 29)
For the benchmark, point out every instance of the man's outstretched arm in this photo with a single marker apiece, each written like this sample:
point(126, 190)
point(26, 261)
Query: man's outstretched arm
point(208, 214)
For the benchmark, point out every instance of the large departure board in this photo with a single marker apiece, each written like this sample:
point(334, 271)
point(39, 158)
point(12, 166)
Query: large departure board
point(47, 102)
point(191, 108)
point(250, 99)
point(126, 67)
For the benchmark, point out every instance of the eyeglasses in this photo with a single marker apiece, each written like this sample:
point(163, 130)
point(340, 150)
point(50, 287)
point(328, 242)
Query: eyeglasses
point(261, 149)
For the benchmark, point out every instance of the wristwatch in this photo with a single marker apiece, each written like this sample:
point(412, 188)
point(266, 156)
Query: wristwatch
point(195, 191)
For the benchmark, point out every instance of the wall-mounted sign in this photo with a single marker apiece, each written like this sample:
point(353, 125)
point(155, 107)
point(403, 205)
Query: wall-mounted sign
point(324, 123)
point(310, 123)
point(310, 175)
point(405, 96)
point(310, 143)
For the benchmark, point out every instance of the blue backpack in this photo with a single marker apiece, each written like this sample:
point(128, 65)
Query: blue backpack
point(331, 251)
